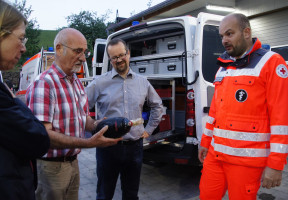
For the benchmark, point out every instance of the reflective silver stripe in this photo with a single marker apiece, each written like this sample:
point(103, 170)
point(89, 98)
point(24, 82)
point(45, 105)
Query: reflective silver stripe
point(208, 132)
point(257, 69)
point(247, 71)
point(244, 136)
point(221, 73)
point(212, 142)
point(263, 61)
point(243, 152)
point(210, 120)
point(279, 148)
point(279, 130)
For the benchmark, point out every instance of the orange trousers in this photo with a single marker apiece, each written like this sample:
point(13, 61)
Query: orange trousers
point(242, 182)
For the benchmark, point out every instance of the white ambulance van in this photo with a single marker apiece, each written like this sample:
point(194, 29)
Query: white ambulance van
point(38, 64)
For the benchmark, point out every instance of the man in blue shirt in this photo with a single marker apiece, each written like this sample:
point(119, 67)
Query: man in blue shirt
point(122, 93)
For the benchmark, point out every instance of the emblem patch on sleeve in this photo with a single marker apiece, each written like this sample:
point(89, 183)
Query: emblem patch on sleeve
point(281, 71)
point(241, 95)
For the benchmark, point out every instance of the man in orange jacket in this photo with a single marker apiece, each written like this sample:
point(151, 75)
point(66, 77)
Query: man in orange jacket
point(246, 134)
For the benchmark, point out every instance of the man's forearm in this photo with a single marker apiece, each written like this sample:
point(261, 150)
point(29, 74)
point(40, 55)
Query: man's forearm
point(59, 140)
point(62, 141)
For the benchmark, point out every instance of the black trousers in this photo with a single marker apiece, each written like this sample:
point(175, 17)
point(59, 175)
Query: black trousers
point(124, 160)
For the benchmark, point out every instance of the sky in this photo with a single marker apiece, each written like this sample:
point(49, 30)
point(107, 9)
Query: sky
point(51, 14)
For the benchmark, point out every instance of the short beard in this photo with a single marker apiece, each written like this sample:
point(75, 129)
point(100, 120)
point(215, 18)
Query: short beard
point(121, 71)
point(76, 69)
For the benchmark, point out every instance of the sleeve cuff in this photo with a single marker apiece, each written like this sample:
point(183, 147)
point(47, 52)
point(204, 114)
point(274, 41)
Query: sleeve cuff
point(206, 142)
point(277, 164)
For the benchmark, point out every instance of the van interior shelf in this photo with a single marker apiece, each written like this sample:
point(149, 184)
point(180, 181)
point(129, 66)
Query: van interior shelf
point(156, 36)
point(156, 56)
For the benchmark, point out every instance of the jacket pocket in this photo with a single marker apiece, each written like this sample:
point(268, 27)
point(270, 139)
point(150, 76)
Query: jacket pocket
point(248, 81)
point(247, 126)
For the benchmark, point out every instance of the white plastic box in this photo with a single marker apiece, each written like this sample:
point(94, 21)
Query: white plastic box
point(143, 67)
point(170, 44)
point(171, 66)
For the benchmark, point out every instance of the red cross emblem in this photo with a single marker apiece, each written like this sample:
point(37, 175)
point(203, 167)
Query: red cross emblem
point(281, 71)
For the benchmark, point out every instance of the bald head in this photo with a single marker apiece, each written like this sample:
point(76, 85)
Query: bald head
point(70, 46)
point(66, 35)
point(240, 19)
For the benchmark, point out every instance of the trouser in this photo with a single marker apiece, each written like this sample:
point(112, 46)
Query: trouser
point(242, 182)
point(123, 159)
point(57, 180)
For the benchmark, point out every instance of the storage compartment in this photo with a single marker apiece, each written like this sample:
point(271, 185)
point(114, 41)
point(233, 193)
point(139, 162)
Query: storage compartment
point(170, 66)
point(142, 48)
point(165, 124)
point(170, 44)
point(164, 92)
point(148, 50)
point(174, 103)
point(143, 68)
point(179, 118)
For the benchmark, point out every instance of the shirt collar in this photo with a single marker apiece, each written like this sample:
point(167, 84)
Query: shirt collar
point(61, 73)
point(115, 73)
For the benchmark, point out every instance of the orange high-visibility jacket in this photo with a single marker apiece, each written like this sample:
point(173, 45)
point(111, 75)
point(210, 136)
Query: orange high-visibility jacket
point(248, 118)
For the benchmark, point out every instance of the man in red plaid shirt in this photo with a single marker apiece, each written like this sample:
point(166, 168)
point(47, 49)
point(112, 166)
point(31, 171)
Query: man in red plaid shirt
point(57, 98)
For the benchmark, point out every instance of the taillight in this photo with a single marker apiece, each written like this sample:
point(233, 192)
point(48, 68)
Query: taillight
point(190, 114)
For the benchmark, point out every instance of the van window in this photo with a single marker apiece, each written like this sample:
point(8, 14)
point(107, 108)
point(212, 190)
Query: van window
point(100, 53)
point(212, 48)
point(283, 51)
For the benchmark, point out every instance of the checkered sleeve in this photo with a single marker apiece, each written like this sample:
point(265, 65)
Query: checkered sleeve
point(42, 100)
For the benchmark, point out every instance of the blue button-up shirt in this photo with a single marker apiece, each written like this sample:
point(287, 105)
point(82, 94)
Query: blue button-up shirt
point(116, 96)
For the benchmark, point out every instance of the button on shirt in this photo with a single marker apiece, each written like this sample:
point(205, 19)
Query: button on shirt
point(61, 101)
point(119, 97)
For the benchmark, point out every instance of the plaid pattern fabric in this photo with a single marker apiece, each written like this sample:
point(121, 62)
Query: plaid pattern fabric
point(53, 98)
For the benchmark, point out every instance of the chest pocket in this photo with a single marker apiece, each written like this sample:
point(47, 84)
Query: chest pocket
point(245, 81)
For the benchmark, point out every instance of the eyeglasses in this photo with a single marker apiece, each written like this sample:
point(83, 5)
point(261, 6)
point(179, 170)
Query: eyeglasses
point(23, 40)
point(121, 57)
point(79, 51)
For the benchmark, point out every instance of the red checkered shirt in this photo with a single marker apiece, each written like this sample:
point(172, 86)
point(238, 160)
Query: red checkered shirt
point(53, 98)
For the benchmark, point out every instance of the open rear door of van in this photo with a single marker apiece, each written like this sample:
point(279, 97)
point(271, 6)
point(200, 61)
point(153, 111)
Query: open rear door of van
point(98, 54)
point(207, 48)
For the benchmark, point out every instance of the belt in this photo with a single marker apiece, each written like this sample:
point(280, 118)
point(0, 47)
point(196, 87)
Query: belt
point(128, 142)
point(61, 159)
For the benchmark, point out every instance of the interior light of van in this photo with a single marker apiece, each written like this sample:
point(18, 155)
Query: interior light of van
point(220, 8)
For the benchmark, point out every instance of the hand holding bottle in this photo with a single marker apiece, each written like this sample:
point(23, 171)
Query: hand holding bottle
point(117, 126)
point(99, 140)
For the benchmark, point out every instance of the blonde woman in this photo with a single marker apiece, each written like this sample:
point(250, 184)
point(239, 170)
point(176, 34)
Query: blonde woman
point(22, 137)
